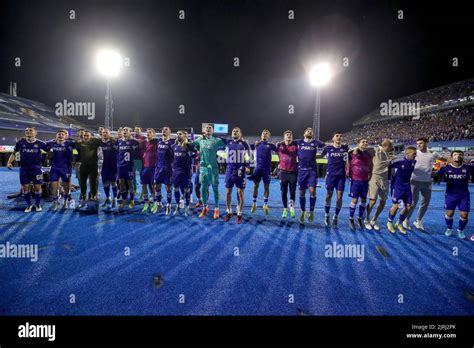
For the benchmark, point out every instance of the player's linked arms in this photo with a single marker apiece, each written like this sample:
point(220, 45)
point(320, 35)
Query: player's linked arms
point(11, 160)
point(281, 143)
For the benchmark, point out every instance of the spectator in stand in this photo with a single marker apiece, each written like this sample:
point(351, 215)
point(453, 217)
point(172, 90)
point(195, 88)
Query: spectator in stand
point(454, 124)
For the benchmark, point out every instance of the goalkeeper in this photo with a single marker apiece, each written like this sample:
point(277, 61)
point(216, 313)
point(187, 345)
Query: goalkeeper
point(209, 172)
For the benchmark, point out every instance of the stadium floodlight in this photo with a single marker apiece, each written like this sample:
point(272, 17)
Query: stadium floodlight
point(109, 63)
point(319, 76)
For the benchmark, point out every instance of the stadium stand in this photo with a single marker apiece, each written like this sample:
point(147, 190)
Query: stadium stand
point(446, 114)
point(455, 124)
point(17, 113)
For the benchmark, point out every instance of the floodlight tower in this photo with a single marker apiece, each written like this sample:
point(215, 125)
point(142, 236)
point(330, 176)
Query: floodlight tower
point(319, 76)
point(109, 64)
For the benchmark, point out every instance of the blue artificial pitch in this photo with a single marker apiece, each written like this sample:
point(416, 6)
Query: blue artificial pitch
point(131, 263)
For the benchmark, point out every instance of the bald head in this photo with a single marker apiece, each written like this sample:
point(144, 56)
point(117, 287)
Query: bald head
point(387, 145)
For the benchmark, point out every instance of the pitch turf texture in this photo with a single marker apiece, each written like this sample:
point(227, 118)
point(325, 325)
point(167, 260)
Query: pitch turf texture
point(189, 266)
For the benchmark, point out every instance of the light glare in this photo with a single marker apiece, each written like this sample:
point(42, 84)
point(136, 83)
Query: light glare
point(320, 74)
point(109, 63)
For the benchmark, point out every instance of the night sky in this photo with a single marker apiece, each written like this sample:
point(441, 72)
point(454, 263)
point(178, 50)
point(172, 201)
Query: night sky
point(190, 61)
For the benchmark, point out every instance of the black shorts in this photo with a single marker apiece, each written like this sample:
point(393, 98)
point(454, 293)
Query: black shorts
point(288, 177)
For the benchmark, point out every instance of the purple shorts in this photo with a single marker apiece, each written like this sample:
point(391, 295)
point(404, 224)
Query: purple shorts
point(307, 178)
point(359, 189)
point(235, 177)
point(33, 175)
point(60, 173)
point(461, 201)
point(402, 194)
point(147, 176)
point(109, 174)
point(260, 174)
point(126, 172)
point(180, 179)
point(163, 176)
point(337, 182)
